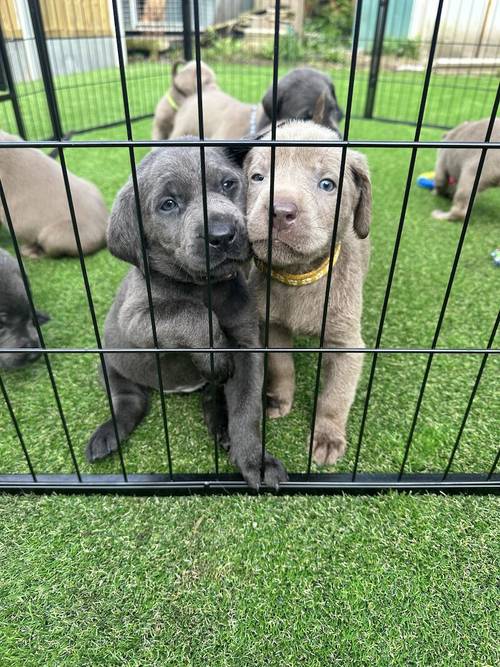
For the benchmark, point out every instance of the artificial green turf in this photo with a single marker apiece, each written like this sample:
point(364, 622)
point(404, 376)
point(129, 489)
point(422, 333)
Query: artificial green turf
point(425, 258)
point(394, 580)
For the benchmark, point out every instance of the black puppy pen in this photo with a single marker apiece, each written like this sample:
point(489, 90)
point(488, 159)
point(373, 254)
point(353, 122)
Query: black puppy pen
point(58, 137)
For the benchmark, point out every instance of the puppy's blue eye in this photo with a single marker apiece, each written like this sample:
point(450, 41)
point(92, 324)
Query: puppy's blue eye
point(326, 184)
point(257, 177)
point(228, 185)
point(168, 205)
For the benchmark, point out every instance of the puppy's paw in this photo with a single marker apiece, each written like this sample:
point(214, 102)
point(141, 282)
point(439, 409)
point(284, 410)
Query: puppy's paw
point(274, 471)
point(329, 444)
point(102, 443)
point(440, 215)
point(277, 407)
point(33, 251)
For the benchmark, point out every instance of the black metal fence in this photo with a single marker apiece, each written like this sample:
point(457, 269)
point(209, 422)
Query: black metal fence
point(41, 114)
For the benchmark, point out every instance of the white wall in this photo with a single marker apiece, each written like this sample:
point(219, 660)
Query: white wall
point(461, 24)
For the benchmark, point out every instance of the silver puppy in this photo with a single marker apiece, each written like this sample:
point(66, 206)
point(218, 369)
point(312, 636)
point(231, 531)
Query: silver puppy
point(172, 211)
point(456, 168)
point(305, 198)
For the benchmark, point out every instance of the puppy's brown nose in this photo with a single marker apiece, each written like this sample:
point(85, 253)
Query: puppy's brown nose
point(284, 214)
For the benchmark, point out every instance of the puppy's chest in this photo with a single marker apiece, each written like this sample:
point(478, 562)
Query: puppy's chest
point(298, 309)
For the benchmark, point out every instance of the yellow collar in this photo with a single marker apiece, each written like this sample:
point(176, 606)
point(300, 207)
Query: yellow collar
point(172, 102)
point(298, 279)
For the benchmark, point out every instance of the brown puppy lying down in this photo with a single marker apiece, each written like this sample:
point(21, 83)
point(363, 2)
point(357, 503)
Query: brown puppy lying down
point(37, 202)
point(305, 196)
point(303, 93)
point(183, 86)
point(456, 167)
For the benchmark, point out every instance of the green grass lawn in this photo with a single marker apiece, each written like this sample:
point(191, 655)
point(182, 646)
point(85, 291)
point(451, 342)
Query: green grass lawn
point(393, 580)
point(423, 268)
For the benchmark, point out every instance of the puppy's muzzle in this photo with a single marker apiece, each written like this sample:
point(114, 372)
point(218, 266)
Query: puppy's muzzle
point(285, 213)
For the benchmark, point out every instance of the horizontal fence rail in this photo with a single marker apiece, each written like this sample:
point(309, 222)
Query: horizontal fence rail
point(114, 44)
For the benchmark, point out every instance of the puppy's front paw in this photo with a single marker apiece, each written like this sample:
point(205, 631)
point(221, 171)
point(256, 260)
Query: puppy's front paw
point(274, 470)
point(277, 407)
point(102, 443)
point(440, 215)
point(329, 444)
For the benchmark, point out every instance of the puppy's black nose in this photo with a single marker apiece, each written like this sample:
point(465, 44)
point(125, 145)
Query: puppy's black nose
point(221, 234)
point(284, 214)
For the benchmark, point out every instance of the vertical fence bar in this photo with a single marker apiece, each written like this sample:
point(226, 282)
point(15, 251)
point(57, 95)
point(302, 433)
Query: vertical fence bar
point(34, 317)
point(11, 87)
point(471, 397)
point(140, 225)
point(451, 279)
point(3, 390)
point(378, 45)
point(350, 94)
point(186, 30)
point(274, 113)
point(43, 56)
point(399, 232)
point(203, 173)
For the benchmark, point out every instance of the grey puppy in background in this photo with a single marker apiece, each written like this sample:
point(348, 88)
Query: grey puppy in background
point(303, 93)
point(305, 200)
point(16, 324)
point(456, 168)
point(172, 212)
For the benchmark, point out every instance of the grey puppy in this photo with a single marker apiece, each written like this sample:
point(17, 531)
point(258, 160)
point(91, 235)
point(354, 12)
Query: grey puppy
point(305, 199)
point(172, 211)
point(303, 93)
point(456, 167)
point(16, 324)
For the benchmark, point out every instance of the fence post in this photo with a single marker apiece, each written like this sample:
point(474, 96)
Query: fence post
point(186, 30)
point(11, 88)
point(378, 43)
point(43, 56)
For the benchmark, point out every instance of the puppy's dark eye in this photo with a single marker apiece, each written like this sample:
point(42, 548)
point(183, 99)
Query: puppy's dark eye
point(257, 177)
point(169, 204)
point(326, 184)
point(228, 185)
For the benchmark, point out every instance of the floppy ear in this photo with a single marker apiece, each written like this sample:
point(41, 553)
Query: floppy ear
point(319, 109)
point(339, 114)
point(42, 318)
point(237, 153)
point(123, 231)
point(267, 102)
point(363, 207)
point(176, 66)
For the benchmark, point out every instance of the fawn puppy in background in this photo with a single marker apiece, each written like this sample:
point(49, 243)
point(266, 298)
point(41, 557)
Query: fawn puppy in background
point(182, 87)
point(304, 93)
point(172, 212)
point(456, 168)
point(305, 196)
point(36, 197)
point(16, 324)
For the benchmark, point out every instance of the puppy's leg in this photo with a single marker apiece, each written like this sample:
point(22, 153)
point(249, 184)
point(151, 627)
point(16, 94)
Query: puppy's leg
point(33, 251)
point(281, 374)
point(341, 373)
point(244, 404)
point(130, 403)
point(58, 239)
point(215, 413)
point(461, 196)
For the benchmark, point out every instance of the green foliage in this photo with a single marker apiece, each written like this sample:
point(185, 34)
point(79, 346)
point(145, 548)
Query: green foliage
point(402, 48)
